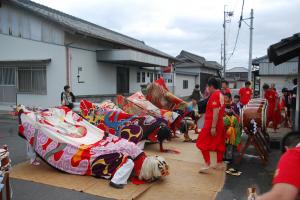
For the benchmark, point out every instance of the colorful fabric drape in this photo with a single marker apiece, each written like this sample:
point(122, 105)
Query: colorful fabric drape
point(69, 143)
point(160, 96)
point(134, 128)
point(233, 131)
point(138, 103)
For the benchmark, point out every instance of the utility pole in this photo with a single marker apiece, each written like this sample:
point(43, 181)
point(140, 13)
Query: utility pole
point(224, 47)
point(250, 47)
point(229, 14)
point(221, 54)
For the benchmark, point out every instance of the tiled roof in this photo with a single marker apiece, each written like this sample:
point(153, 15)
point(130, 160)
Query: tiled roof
point(86, 28)
point(187, 59)
point(238, 69)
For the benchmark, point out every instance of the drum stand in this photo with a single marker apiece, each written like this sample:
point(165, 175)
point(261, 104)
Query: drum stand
point(260, 141)
point(5, 173)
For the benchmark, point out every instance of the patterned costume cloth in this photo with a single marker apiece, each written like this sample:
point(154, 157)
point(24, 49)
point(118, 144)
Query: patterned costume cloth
point(160, 96)
point(69, 143)
point(108, 117)
point(137, 103)
point(233, 131)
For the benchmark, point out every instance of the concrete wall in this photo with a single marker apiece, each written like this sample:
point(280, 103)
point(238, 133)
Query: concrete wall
point(13, 48)
point(280, 82)
point(179, 91)
point(287, 68)
point(98, 78)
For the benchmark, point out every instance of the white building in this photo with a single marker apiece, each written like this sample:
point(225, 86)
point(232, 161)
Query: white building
point(42, 49)
point(281, 75)
point(191, 69)
point(236, 77)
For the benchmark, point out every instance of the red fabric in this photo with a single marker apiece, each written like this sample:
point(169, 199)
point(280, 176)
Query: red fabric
point(206, 156)
point(138, 163)
point(245, 95)
point(136, 181)
point(162, 83)
point(288, 168)
point(226, 91)
point(205, 140)
point(271, 96)
point(21, 129)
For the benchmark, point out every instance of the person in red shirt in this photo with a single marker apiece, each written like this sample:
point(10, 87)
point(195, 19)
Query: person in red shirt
point(212, 135)
point(273, 112)
point(225, 89)
point(286, 181)
point(245, 93)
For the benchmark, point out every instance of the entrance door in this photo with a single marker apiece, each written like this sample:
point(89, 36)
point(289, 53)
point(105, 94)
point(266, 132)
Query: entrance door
point(122, 80)
point(8, 89)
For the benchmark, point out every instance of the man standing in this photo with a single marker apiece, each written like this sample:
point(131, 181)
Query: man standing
point(225, 89)
point(212, 135)
point(245, 93)
point(273, 114)
point(67, 97)
point(196, 93)
point(293, 102)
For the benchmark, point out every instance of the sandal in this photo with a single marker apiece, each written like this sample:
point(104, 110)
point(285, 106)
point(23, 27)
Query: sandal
point(233, 172)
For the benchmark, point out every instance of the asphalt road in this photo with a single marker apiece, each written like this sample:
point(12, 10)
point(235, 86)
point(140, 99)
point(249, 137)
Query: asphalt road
point(26, 190)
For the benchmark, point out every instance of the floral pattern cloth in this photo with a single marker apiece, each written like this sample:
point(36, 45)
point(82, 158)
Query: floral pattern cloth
point(71, 144)
point(114, 120)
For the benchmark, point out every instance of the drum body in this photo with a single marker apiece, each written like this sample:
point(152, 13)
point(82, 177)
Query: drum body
point(256, 109)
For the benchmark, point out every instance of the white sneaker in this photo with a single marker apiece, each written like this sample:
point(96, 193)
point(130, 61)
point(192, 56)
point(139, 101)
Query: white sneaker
point(218, 166)
point(204, 169)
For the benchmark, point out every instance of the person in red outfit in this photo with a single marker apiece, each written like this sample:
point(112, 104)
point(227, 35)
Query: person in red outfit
point(286, 181)
point(225, 89)
point(212, 135)
point(245, 93)
point(273, 113)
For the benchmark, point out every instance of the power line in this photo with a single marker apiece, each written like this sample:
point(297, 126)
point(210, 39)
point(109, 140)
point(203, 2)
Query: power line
point(238, 32)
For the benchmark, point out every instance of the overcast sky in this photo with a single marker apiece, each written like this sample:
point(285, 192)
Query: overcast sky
point(192, 25)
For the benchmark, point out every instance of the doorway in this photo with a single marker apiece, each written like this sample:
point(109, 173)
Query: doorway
point(122, 80)
point(8, 89)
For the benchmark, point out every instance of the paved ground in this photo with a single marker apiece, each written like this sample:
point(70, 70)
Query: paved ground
point(26, 190)
point(254, 173)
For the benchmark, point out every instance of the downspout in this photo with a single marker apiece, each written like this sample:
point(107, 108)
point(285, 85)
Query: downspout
point(68, 64)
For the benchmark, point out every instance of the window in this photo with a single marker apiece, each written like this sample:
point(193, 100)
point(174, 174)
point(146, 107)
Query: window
point(143, 77)
point(151, 77)
point(7, 76)
point(32, 80)
point(185, 84)
point(138, 77)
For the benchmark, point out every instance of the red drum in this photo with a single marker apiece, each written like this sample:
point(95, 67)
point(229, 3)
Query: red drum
point(256, 111)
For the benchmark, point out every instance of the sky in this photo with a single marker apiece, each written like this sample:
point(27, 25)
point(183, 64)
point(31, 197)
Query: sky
point(192, 25)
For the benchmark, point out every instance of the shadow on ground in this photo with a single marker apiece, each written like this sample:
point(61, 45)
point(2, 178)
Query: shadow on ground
point(254, 173)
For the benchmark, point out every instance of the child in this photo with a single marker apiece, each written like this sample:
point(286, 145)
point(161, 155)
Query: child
point(233, 133)
point(191, 121)
point(236, 105)
point(227, 99)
